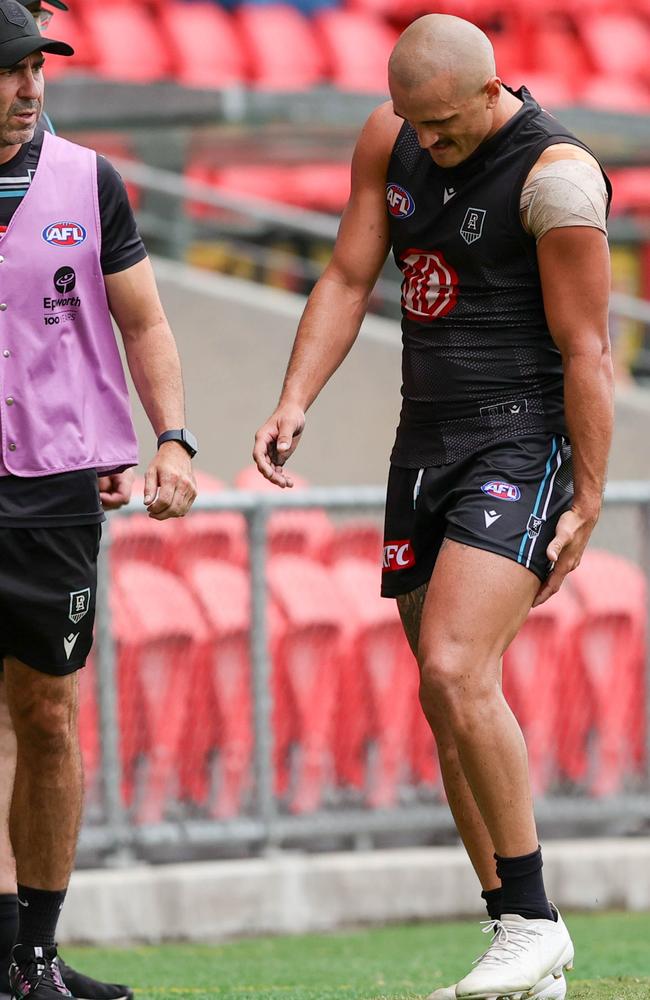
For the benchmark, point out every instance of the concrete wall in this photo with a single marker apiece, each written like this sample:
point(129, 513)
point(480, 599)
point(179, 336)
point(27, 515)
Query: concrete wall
point(296, 893)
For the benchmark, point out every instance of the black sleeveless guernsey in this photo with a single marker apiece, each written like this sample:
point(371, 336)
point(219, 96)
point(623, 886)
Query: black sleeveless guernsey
point(479, 364)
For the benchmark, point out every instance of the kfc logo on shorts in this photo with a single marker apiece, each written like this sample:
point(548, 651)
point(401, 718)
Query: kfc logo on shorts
point(398, 555)
point(64, 234)
point(79, 604)
point(501, 491)
point(400, 203)
point(429, 286)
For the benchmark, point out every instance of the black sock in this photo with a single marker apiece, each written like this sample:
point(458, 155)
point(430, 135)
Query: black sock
point(493, 899)
point(38, 914)
point(8, 929)
point(523, 886)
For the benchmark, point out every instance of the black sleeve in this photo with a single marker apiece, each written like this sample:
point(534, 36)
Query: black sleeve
point(122, 245)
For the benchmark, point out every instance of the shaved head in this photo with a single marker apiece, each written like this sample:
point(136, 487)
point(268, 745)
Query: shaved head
point(454, 52)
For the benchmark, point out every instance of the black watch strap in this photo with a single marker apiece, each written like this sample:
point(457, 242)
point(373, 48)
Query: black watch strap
point(184, 437)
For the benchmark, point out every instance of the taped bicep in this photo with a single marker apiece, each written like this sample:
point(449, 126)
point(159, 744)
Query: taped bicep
point(564, 193)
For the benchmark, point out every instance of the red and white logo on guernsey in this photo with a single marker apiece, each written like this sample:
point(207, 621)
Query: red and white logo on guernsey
point(398, 555)
point(429, 285)
point(64, 234)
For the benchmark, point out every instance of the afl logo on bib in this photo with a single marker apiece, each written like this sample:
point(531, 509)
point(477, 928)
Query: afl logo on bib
point(501, 491)
point(64, 234)
point(400, 203)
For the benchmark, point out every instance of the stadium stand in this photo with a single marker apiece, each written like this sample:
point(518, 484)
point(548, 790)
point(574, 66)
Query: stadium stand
point(346, 717)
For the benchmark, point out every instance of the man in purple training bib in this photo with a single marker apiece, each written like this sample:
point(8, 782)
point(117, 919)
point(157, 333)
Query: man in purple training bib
point(70, 257)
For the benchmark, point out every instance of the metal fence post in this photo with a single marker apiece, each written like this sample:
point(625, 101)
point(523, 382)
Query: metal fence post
point(261, 670)
point(107, 704)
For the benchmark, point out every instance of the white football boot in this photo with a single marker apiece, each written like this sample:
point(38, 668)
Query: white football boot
point(523, 954)
point(548, 988)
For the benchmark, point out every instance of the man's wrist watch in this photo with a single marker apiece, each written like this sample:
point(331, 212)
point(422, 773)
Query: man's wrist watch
point(184, 437)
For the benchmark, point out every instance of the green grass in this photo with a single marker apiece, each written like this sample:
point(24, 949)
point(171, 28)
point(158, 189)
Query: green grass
point(390, 963)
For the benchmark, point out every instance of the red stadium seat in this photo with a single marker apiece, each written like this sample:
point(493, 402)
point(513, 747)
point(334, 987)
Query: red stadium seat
point(609, 93)
point(280, 46)
point(203, 44)
point(379, 687)
point(216, 759)
point(617, 43)
point(558, 51)
point(549, 90)
point(539, 674)
point(307, 668)
point(302, 532)
point(632, 191)
point(356, 48)
point(162, 642)
point(127, 41)
point(323, 187)
point(271, 182)
point(356, 539)
point(68, 26)
point(611, 644)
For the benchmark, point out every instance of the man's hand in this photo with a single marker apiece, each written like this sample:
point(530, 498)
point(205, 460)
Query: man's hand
point(565, 551)
point(115, 491)
point(276, 441)
point(169, 486)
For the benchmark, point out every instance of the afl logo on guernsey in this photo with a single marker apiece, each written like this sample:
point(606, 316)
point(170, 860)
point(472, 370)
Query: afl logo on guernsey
point(400, 203)
point(64, 234)
point(501, 491)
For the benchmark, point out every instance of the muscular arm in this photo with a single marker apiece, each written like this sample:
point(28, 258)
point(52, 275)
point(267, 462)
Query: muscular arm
point(337, 305)
point(574, 270)
point(156, 371)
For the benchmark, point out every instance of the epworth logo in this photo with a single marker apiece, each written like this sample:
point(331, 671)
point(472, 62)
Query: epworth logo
point(429, 285)
point(64, 234)
point(501, 491)
point(400, 203)
point(65, 279)
point(398, 555)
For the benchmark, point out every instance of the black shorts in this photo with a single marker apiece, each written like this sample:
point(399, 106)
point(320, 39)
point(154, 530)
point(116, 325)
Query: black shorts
point(506, 498)
point(48, 583)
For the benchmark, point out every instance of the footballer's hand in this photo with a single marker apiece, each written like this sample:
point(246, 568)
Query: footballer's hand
point(565, 550)
point(115, 491)
point(169, 486)
point(276, 441)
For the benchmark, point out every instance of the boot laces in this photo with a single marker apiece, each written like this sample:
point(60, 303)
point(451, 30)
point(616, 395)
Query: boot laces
point(46, 972)
point(508, 943)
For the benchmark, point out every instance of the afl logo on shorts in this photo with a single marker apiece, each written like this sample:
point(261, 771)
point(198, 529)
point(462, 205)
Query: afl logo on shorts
point(64, 234)
point(501, 491)
point(400, 203)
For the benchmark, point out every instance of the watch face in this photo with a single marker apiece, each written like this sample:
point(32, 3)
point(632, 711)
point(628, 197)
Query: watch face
point(190, 441)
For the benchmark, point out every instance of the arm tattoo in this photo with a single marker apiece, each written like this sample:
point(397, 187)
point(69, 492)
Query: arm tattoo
point(410, 611)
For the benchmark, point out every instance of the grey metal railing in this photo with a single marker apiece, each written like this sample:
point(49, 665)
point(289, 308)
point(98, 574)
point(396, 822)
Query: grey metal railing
point(265, 825)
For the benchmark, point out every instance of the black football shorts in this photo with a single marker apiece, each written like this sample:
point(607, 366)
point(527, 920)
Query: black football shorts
point(506, 498)
point(48, 583)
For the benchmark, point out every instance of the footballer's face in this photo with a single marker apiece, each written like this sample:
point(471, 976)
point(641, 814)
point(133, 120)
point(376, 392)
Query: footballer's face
point(21, 103)
point(449, 124)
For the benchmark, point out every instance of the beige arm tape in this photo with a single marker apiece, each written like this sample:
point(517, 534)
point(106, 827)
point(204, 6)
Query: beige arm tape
point(564, 193)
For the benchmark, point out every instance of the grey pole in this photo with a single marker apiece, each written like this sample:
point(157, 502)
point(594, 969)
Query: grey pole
point(107, 702)
point(257, 518)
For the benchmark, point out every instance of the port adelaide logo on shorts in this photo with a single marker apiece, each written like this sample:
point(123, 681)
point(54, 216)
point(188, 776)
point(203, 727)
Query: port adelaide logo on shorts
point(401, 204)
point(79, 604)
point(64, 234)
point(534, 526)
point(64, 306)
point(501, 491)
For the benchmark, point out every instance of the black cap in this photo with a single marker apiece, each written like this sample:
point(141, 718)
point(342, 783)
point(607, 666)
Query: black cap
point(19, 35)
point(50, 3)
